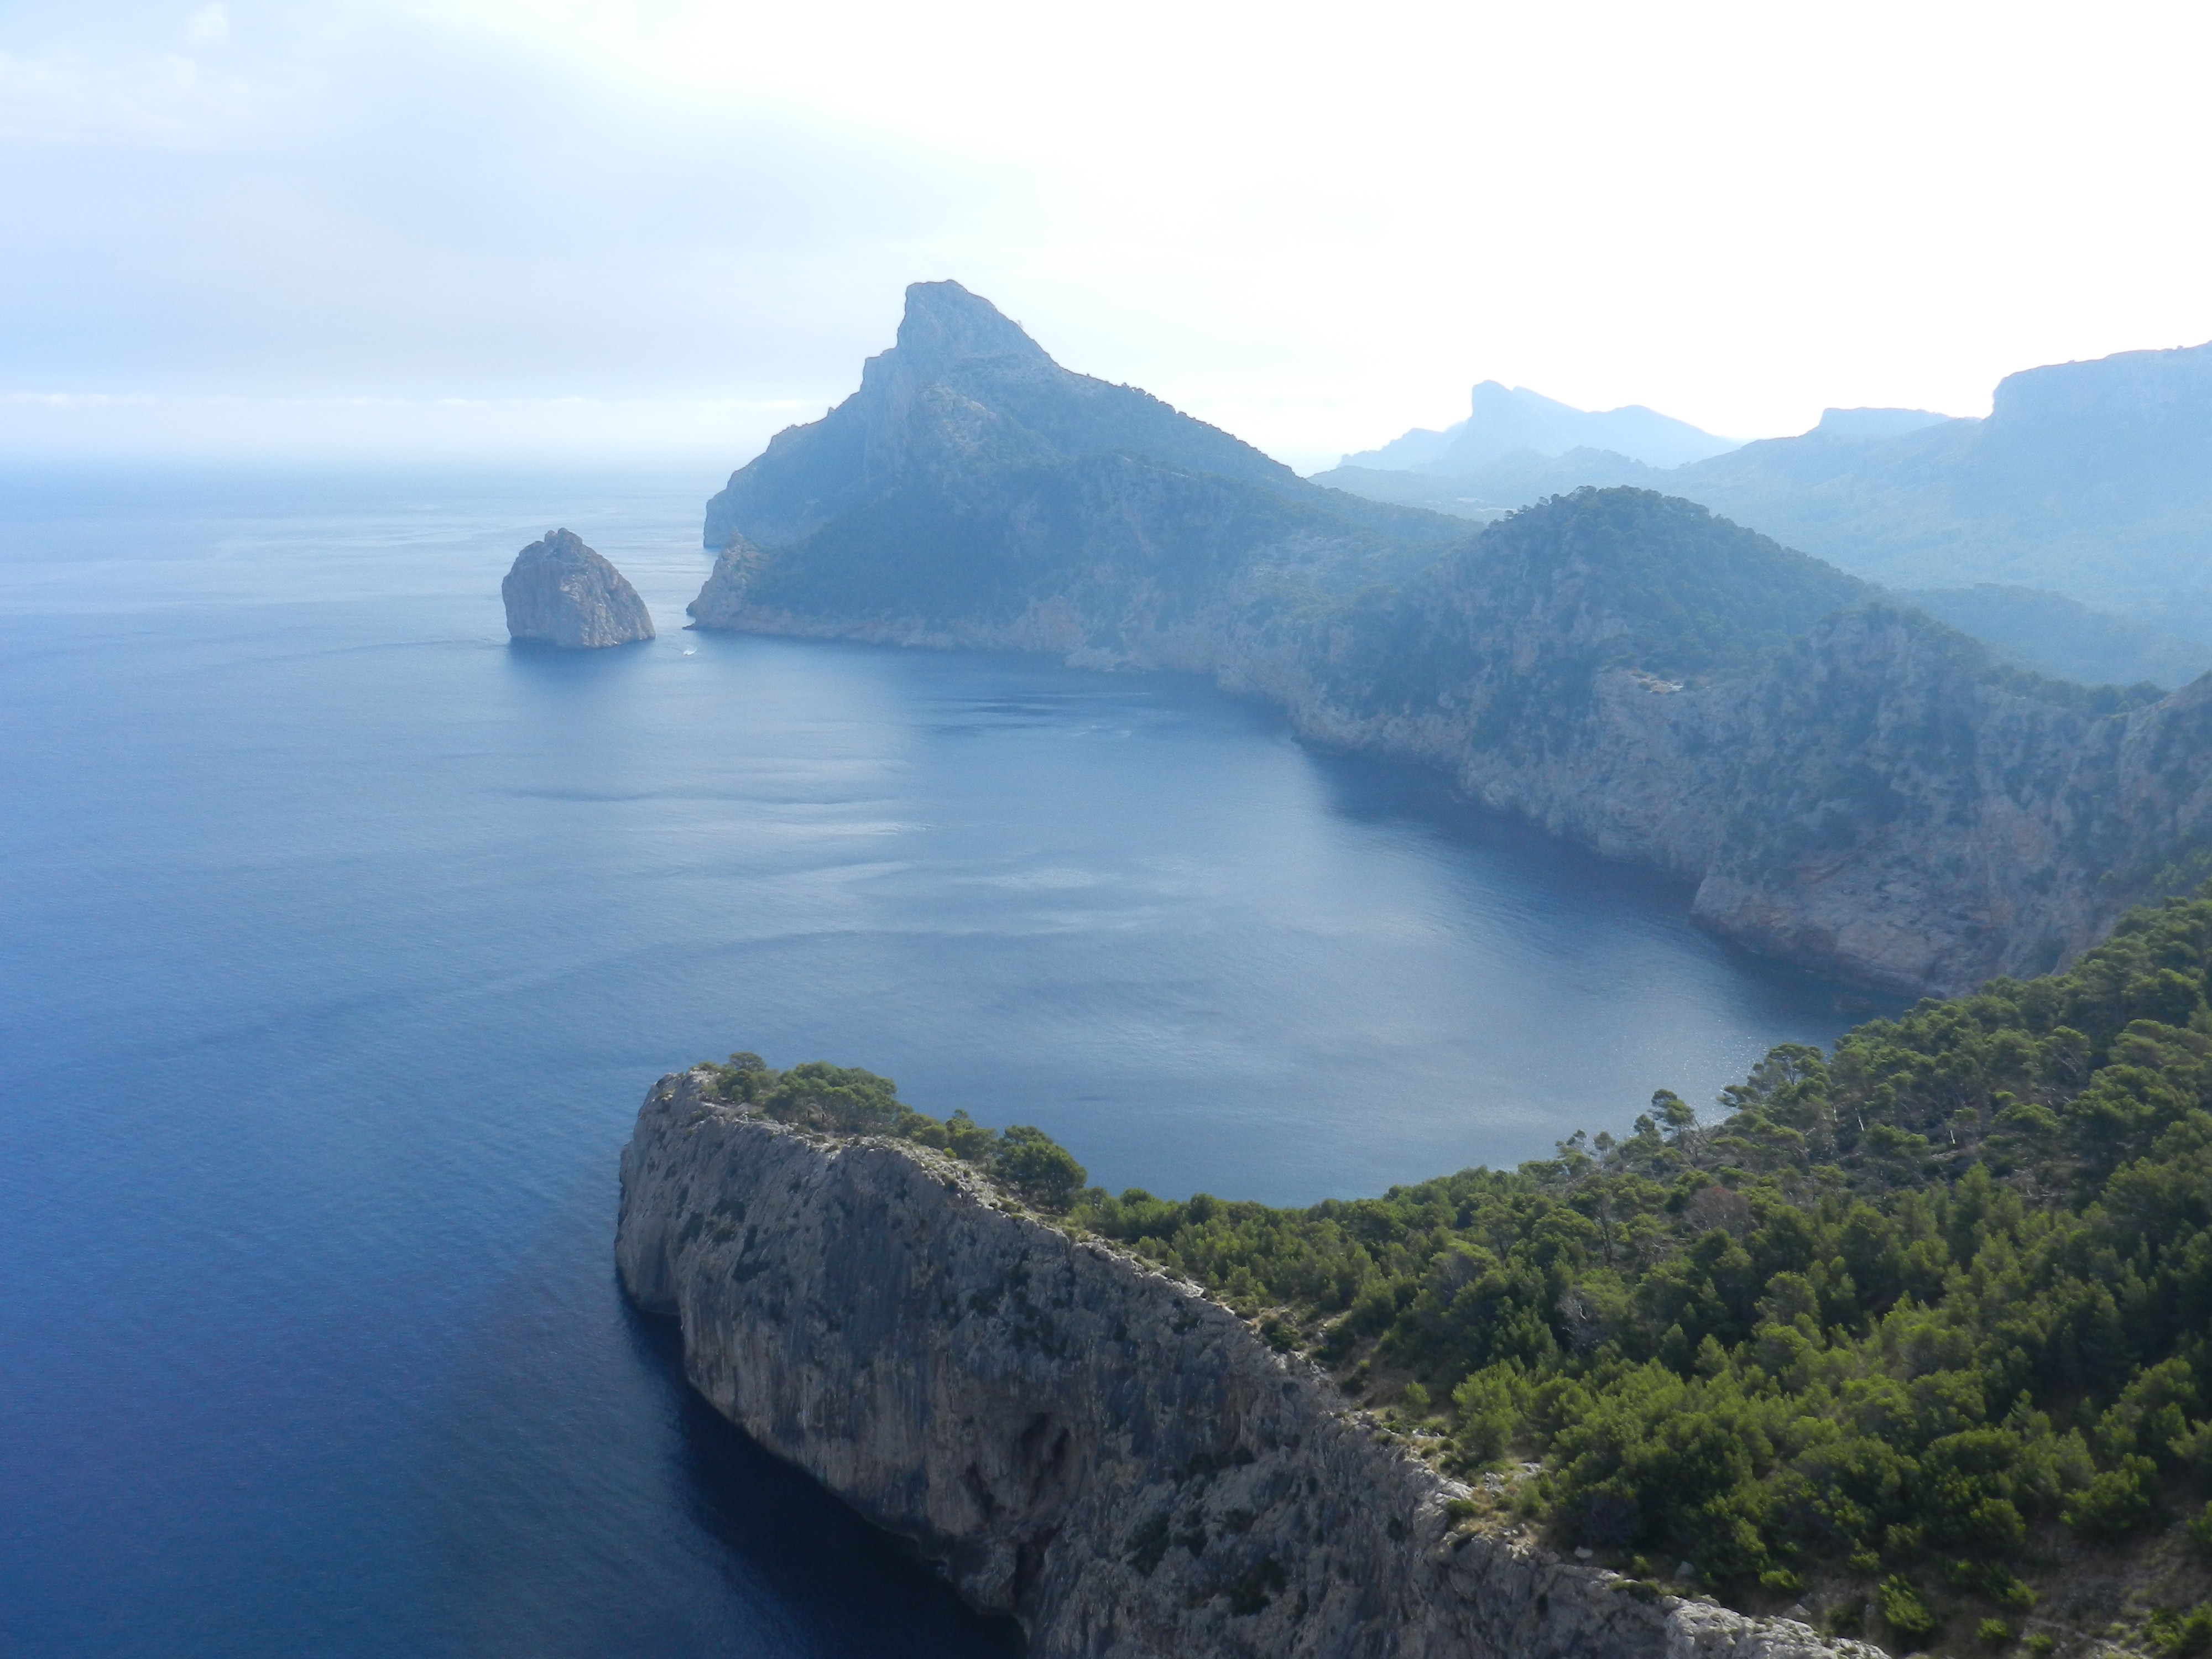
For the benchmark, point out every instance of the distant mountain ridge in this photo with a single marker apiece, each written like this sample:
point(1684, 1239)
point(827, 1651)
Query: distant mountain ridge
point(1848, 785)
point(1510, 480)
point(2091, 479)
point(1503, 420)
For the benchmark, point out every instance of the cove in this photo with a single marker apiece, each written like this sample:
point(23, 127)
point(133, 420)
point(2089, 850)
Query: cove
point(343, 939)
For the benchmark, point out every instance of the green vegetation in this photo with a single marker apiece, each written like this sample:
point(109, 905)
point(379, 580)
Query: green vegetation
point(1919, 1320)
point(1924, 1315)
point(846, 1100)
point(1596, 579)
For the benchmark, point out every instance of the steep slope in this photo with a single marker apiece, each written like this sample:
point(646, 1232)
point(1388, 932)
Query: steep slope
point(1850, 785)
point(973, 491)
point(560, 592)
point(2094, 479)
point(1860, 789)
point(1087, 1443)
point(964, 392)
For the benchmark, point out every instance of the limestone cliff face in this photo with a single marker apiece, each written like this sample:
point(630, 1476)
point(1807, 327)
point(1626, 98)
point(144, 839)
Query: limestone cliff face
point(1085, 1444)
point(1871, 803)
point(559, 591)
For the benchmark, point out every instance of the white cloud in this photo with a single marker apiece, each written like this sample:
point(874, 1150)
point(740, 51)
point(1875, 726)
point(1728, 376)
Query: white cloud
point(1315, 225)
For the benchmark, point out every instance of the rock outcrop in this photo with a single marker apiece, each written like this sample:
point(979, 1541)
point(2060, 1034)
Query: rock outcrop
point(559, 591)
point(1848, 785)
point(1085, 1442)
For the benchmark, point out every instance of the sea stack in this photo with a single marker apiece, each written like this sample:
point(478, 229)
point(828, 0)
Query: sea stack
point(559, 591)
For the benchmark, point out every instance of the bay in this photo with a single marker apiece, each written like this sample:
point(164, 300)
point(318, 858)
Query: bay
point(342, 939)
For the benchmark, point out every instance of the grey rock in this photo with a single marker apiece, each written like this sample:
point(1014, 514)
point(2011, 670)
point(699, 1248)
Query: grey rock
point(559, 591)
point(1085, 1442)
point(1871, 803)
point(722, 601)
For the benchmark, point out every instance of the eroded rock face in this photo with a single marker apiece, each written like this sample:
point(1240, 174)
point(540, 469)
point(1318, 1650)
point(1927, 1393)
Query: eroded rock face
point(1087, 1443)
point(722, 602)
point(559, 591)
point(1872, 804)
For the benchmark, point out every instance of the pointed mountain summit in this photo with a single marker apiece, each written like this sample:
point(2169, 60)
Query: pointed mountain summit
point(973, 490)
point(963, 389)
point(946, 327)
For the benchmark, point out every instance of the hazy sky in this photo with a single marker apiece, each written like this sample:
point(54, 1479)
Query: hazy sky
point(566, 227)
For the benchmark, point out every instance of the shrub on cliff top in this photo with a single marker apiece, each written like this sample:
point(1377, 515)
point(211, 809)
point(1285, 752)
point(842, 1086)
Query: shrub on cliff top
point(847, 1100)
point(1035, 1164)
point(843, 1099)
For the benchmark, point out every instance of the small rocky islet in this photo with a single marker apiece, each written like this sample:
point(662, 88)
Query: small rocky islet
point(560, 592)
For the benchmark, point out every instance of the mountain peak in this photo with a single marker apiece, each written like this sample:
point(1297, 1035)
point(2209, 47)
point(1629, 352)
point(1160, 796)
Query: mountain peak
point(962, 391)
point(1504, 420)
point(944, 323)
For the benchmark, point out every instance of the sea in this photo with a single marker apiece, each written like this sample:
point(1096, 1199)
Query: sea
point(340, 939)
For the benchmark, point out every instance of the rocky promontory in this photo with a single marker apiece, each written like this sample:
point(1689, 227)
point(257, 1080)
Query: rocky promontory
point(1845, 783)
point(1087, 1443)
point(559, 591)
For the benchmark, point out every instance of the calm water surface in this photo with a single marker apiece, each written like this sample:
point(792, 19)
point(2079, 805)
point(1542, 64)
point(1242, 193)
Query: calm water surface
point(341, 940)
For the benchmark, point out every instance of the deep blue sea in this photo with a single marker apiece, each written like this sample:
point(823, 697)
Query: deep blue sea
point(339, 941)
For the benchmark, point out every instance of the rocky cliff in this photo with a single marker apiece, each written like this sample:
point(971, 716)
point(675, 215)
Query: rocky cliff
point(559, 591)
point(1087, 1444)
point(1850, 785)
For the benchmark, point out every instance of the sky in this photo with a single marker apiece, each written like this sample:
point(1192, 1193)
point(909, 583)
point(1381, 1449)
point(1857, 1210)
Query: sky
point(392, 228)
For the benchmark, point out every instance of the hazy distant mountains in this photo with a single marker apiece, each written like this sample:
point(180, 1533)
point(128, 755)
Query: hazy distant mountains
point(2091, 479)
point(2085, 497)
point(1504, 421)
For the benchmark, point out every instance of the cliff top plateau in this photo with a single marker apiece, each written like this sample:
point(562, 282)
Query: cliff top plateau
point(560, 592)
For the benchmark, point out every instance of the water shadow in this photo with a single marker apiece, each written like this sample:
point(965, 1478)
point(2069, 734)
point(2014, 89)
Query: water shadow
point(861, 1588)
point(1367, 789)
